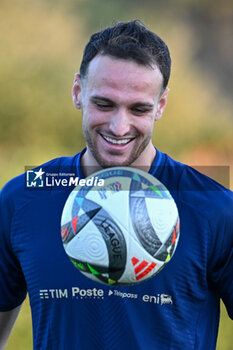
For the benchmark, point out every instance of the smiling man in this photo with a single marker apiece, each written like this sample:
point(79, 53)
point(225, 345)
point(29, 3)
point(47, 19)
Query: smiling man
point(120, 100)
point(122, 91)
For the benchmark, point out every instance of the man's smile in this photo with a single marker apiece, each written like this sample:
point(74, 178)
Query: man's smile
point(117, 141)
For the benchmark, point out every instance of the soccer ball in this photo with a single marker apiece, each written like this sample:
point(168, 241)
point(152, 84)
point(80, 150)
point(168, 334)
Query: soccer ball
point(121, 232)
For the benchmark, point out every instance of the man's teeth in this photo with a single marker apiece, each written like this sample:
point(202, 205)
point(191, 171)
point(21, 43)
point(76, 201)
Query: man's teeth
point(117, 142)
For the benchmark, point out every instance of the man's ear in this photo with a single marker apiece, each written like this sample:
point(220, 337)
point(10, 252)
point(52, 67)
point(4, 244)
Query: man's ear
point(162, 104)
point(76, 91)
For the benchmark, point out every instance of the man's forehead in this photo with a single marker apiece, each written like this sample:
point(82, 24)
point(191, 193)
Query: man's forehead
point(112, 72)
point(107, 60)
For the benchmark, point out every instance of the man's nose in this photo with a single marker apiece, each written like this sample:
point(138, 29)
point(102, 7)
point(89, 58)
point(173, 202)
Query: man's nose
point(119, 123)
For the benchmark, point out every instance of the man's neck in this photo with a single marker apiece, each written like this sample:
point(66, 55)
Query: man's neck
point(90, 166)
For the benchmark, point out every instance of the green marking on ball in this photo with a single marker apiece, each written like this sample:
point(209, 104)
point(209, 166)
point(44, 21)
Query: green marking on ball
point(95, 272)
point(81, 266)
point(168, 258)
point(78, 265)
point(155, 188)
point(110, 281)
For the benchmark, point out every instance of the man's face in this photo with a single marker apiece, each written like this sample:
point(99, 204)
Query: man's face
point(120, 102)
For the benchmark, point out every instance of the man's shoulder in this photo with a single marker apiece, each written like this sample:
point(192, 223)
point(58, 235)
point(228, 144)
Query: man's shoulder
point(198, 190)
point(207, 197)
point(197, 178)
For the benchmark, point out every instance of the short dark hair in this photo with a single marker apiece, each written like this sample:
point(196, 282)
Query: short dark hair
point(131, 41)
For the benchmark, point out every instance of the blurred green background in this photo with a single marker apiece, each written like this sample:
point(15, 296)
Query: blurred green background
point(41, 48)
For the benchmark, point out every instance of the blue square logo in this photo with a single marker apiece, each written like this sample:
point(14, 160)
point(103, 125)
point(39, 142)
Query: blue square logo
point(35, 178)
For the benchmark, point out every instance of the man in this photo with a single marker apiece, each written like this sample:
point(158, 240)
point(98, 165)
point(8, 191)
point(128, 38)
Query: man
point(122, 91)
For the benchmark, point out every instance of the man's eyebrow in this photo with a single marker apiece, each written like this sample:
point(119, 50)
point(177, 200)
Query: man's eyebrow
point(108, 100)
point(101, 98)
point(142, 104)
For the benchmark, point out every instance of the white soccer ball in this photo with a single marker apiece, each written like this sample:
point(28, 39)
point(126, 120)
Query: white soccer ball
point(123, 232)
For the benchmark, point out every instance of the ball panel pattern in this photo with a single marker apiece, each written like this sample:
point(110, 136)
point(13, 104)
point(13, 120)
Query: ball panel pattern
point(124, 232)
point(142, 225)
